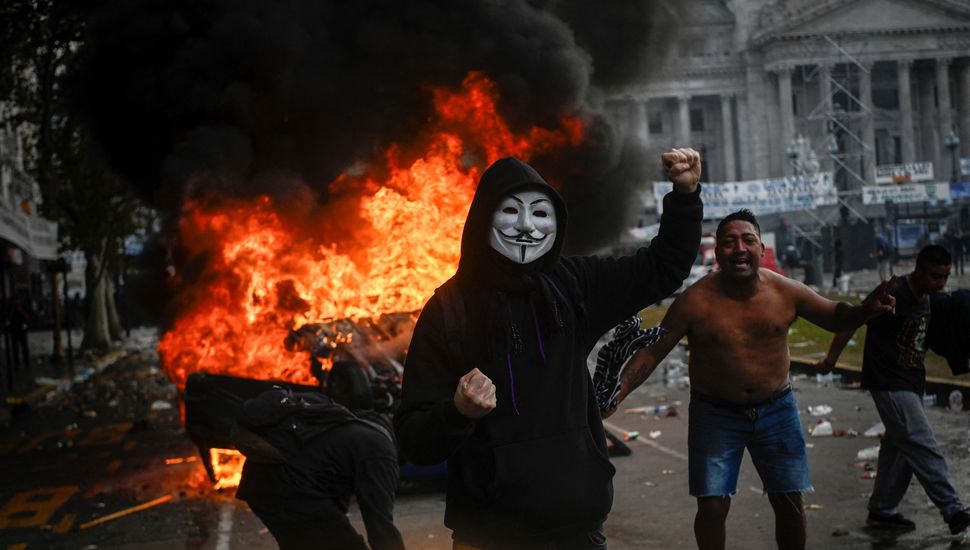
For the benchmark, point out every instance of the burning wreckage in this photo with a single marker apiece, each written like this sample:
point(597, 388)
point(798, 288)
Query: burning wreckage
point(363, 359)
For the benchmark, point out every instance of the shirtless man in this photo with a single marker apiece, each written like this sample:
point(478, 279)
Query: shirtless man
point(737, 321)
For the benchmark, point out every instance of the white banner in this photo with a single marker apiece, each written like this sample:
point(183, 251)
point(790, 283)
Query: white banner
point(760, 196)
point(913, 192)
point(904, 173)
point(37, 236)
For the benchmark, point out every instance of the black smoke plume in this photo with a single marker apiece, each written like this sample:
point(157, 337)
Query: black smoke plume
point(230, 94)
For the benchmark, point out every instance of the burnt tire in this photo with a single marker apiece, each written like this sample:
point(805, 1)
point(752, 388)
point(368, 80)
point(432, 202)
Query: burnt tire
point(348, 385)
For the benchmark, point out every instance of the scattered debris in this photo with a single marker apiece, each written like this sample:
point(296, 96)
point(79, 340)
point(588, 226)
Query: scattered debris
point(869, 453)
point(813, 506)
point(868, 475)
point(819, 410)
point(823, 428)
point(655, 434)
point(876, 430)
point(649, 484)
point(667, 472)
point(161, 405)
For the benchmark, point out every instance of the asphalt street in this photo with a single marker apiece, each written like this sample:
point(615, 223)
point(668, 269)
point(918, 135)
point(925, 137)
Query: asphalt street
point(115, 442)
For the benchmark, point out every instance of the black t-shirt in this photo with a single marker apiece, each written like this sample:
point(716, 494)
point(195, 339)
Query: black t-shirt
point(896, 344)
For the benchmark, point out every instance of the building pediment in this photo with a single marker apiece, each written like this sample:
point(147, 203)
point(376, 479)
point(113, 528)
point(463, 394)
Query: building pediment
point(797, 18)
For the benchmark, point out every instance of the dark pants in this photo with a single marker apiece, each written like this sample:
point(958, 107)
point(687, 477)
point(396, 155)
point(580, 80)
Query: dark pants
point(585, 540)
point(306, 535)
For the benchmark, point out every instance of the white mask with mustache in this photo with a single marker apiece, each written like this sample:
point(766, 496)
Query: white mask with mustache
point(523, 226)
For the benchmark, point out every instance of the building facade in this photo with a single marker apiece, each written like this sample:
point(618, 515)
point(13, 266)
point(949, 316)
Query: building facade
point(864, 83)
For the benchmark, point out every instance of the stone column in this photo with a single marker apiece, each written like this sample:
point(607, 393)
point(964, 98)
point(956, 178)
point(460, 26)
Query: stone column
point(929, 149)
point(964, 85)
point(825, 95)
point(907, 134)
point(868, 131)
point(683, 121)
point(638, 110)
point(944, 116)
point(727, 135)
point(786, 113)
point(744, 145)
point(756, 135)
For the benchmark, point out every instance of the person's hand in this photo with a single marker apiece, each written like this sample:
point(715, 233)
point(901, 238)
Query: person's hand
point(608, 412)
point(824, 365)
point(683, 168)
point(880, 300)
point(475, 394)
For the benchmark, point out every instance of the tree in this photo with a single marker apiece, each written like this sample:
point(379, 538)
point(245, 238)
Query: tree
point(94, 207)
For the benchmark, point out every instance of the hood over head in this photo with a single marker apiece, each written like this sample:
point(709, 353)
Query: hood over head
point(504, 177)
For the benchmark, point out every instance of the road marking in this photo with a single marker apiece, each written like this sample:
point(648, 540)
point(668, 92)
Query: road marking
point(18, 546)
point(34, 508)
point(226, 516)
point(648, 442)
point(65, 524)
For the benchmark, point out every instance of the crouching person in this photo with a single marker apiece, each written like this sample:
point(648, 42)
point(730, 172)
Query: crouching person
point(306, 454)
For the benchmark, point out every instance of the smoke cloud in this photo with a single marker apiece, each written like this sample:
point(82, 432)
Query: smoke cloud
point(282, 96)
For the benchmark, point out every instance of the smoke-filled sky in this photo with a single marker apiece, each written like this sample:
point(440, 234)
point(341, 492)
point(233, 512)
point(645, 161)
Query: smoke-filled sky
point(240, 96)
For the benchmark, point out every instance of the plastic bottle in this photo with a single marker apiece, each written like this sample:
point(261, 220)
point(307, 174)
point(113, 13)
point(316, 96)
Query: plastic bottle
point(956, 401)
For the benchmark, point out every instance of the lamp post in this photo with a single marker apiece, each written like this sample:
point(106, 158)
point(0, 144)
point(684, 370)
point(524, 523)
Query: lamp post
point(952, 141)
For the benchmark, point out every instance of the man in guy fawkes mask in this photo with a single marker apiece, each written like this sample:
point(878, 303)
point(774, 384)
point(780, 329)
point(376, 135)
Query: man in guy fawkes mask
point(496, 381)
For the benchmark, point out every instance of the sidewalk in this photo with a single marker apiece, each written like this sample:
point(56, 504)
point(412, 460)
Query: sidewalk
point(44, 380)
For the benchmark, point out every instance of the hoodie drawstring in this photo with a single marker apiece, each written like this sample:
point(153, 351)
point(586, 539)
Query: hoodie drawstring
point(508, 362)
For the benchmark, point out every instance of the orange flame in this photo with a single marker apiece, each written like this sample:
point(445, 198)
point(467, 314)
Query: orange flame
point(227, 465)
point(380, 245)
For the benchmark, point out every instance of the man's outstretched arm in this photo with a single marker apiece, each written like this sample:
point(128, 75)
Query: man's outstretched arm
point(841, 316)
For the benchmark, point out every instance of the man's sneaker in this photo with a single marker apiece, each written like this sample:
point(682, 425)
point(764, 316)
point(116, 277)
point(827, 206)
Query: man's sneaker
point(959, 522)
point(892, 522)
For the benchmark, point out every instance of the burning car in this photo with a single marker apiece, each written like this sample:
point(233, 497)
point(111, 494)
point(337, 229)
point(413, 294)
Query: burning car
point(362, 359)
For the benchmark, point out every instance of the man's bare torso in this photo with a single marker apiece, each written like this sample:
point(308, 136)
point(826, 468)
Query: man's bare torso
point(739, 344)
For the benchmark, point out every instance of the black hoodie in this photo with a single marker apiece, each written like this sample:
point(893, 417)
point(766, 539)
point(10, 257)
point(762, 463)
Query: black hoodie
point(537, 464)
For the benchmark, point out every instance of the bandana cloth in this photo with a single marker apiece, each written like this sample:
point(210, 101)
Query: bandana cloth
point(627, 338)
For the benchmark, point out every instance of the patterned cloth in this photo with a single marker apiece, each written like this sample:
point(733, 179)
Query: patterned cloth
point(627, 338)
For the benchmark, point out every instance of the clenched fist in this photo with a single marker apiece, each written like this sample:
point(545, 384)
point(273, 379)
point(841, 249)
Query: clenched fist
point(683, 168)
point(475, 394)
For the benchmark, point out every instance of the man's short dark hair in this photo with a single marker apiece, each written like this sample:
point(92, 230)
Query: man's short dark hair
point(744, 215)
point(933, 254)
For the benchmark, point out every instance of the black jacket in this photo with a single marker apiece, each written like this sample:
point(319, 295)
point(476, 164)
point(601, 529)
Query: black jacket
point(329, 453)
point(949, 327)
point(537, 464)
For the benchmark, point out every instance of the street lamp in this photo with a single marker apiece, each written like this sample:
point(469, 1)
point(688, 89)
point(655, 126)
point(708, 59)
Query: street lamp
point(952, 141)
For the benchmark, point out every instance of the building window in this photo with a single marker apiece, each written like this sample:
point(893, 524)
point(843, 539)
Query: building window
point(885, 98)
point(655, 123)
point(697, 120)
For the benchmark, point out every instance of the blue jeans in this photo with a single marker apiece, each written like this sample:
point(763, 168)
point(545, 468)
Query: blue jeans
point(909, 448)
point(719, 432)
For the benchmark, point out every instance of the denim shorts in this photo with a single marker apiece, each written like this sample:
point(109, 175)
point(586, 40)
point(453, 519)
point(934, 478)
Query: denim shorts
point(720, 431)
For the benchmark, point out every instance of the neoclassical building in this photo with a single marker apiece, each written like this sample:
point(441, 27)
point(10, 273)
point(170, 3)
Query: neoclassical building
point(867, 82)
